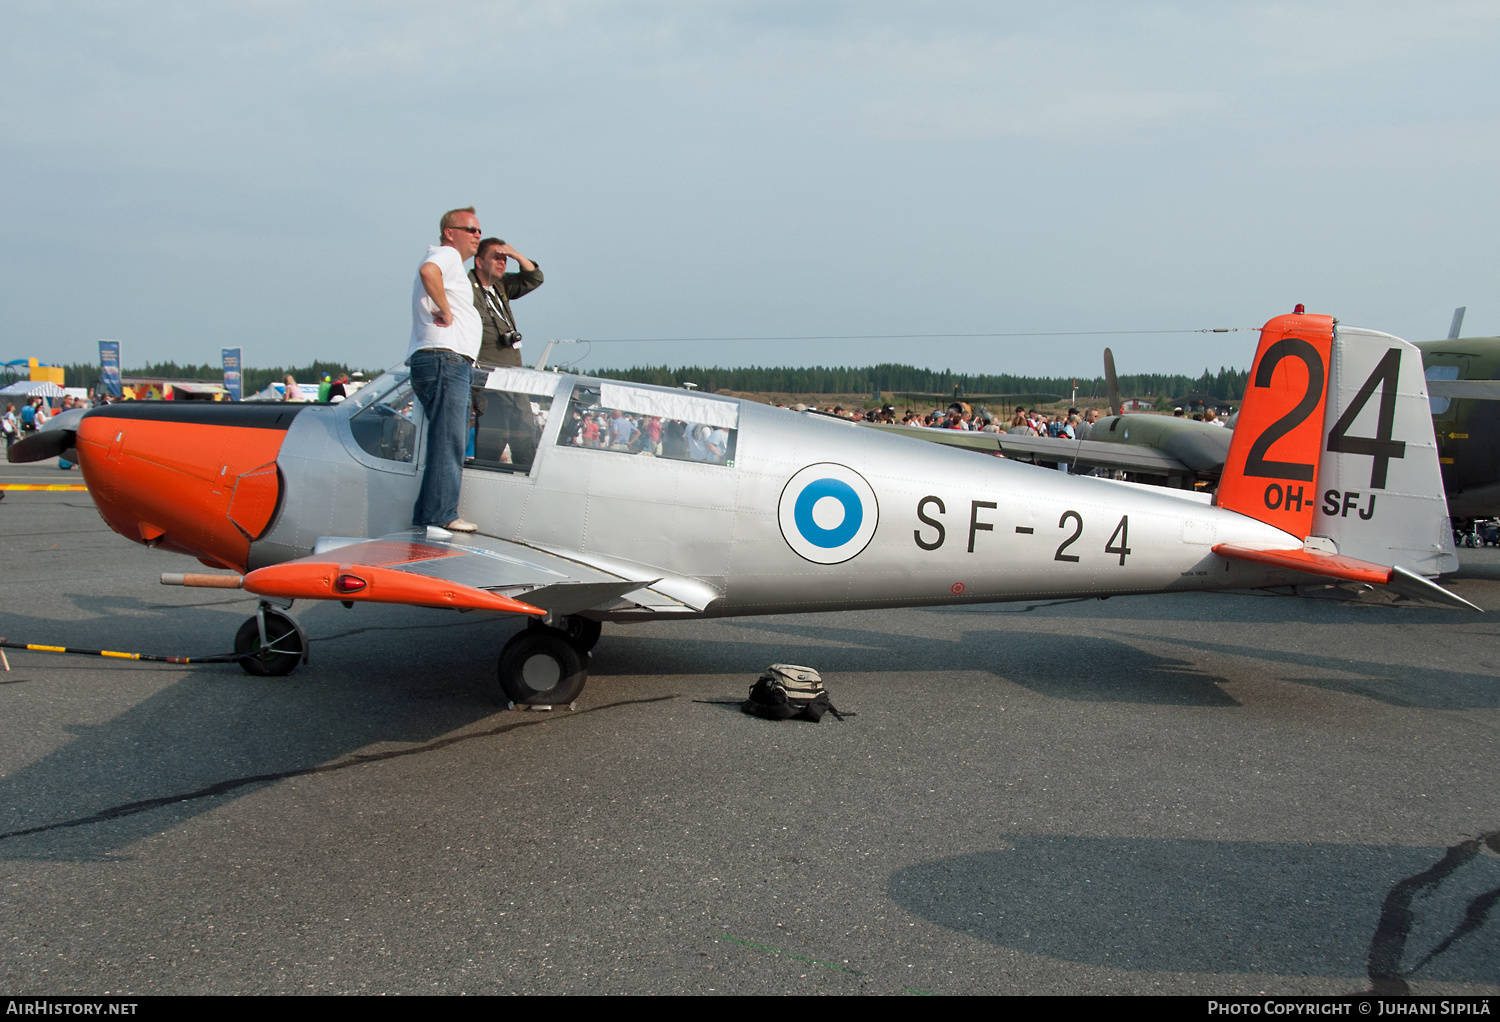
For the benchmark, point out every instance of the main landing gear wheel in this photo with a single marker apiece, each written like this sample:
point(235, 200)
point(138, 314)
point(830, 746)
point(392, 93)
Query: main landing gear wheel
point(278, 655)
point(542, 668)
point(582, 632)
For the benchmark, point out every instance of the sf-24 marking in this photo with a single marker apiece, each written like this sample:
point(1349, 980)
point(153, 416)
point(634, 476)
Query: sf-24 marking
point(1071, 522)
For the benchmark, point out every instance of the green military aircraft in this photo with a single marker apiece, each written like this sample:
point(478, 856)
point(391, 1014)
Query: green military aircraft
point(1463, 384)
point(1158, 449)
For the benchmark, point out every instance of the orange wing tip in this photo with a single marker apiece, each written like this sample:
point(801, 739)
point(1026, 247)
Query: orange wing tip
point(1313, 562)
point(363, 583)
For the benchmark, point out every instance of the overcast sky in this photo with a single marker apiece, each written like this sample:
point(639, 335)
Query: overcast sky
point(184, 177)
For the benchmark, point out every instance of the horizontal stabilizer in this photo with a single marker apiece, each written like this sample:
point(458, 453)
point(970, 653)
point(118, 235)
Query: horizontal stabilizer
point(1411, 584)
point(1349, 569)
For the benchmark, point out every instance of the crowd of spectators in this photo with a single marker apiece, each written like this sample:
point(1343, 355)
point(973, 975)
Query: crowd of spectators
point(629, 433)
point(960, 415)
point(34, 415)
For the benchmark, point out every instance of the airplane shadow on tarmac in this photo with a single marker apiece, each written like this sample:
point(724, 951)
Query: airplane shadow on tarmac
point(1081, 668)
point(1100, 669)
point(404, 677)
point(1395, 684)
point(412, 679)
point(1388, 913)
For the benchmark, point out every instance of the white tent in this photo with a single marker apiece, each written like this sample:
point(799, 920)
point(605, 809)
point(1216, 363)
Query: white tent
point(32, 388)
point(271, 392)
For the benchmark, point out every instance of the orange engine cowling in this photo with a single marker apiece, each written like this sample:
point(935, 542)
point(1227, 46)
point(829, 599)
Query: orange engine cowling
point(199, 479)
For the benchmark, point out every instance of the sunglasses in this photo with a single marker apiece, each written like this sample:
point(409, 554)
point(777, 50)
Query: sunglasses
point(471, 230)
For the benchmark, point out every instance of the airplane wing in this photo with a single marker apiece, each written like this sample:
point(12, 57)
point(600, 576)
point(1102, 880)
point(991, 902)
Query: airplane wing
point(436, 568)
point(1476, 390)
point(1083, 453)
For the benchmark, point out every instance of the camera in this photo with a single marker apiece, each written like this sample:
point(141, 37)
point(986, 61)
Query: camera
point(510, 338)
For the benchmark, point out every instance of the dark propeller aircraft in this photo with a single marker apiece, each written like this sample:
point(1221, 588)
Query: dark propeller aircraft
point(1463, 382)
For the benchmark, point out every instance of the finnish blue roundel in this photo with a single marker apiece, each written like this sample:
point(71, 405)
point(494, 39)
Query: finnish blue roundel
point(840, 534)
point(828, 513)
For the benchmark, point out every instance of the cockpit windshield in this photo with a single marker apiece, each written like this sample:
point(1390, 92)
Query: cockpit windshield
point(386, 426)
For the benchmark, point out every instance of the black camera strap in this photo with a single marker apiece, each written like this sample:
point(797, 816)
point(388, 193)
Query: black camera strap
point(498, 310)
point(501, 309)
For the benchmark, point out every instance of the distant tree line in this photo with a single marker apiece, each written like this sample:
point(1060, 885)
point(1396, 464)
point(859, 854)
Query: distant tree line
point(1228, 384)
point(81, 374)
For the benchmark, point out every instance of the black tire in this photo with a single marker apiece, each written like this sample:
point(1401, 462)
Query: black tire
point(582, 632)
point(280, 657)
point(541, 669)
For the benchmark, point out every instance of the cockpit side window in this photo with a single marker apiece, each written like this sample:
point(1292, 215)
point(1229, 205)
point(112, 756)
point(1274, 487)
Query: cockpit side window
point(507, 425)
point(1441, 371)
point(387, 427)
point(596, 422)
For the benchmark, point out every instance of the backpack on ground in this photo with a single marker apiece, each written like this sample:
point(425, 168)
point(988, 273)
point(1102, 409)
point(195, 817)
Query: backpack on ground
point(786, 691)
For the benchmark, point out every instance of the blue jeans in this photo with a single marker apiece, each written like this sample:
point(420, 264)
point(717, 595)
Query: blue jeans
point(440, 379)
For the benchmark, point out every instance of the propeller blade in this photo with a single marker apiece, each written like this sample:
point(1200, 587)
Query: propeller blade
point(1458, 322)
point(49, 443)
point(1116, 406)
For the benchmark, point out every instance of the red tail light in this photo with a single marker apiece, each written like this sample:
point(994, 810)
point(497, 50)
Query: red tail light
point(349, 584)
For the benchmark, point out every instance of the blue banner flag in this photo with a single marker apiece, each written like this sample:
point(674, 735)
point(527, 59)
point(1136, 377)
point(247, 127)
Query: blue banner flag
point(109, 361)
point(232, 379)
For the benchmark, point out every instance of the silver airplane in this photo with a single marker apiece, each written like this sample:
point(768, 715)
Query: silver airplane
point(706, 506)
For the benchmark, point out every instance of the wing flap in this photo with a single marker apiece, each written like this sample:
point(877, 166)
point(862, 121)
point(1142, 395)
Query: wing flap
point(571, 597)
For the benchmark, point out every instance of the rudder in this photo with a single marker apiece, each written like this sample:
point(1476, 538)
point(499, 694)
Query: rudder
point(1380, 483)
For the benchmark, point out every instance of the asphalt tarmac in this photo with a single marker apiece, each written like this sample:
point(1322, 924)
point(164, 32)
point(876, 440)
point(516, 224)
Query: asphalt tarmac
point(1226, 793)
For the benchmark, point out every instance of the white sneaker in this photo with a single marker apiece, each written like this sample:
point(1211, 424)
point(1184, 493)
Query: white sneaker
point(459, 525)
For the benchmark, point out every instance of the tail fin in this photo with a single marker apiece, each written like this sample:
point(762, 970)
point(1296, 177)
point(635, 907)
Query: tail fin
point(1316, 455)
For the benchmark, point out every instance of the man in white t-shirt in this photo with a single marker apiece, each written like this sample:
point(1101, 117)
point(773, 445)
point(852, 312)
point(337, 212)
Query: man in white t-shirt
point(445, 333)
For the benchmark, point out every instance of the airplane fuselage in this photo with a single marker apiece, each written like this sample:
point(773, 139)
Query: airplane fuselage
point(935, 525)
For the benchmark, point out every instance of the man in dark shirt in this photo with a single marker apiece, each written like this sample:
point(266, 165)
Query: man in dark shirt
point(493, 291)
point(502, 418)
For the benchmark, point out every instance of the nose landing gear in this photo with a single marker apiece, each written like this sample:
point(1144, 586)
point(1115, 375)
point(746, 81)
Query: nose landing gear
point(274, 641)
